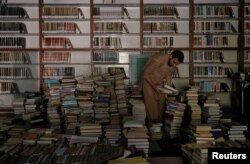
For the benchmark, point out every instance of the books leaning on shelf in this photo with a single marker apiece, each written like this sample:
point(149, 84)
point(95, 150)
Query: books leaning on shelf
point(14, 58)
point(15, 73)
point(56, 57)
point(15, 12)
point(56, 42)
point(60, 27)
point(160, 11)
point(6, 87)
point(168, 89)
point(62, 12)
point(12, 27)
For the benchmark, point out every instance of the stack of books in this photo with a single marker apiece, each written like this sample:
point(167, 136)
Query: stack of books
point(201, 133)
point(211, 112)
point(136, 133)
point(192, 100)
point(234, 130)
point(173, 118)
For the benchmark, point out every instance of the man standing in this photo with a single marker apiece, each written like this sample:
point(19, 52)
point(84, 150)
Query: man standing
point(158, 68)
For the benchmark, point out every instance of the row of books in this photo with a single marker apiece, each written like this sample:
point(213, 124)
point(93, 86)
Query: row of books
point(10, 11)
point(209, 56)
point(58, 72)
point(110, 12)
point(62, 12)
point(167, 11)
point(12, 42)
point(152, 42)
point(12, 27)
point(157, 27)
point(6, 87)
point(60, 27)
point(14, 57)
point(213, 11)
point(56, 57)
point(210, 71)
point(15, 73)
point(210, 40)
point(213, 27)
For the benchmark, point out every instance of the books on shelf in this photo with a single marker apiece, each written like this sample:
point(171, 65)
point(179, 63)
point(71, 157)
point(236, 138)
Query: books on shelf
point(155, 42)
point(210, 11)
point(160, 11)
point(106, 57)
point(14, 12)
point(15, 73)
point(12, 27)
point(14, 58)
point(58, 72)
point(12, 42)
point(159, 27)
point(60, 27)
point(56, 57)
point(56, 42)
point(62, 12)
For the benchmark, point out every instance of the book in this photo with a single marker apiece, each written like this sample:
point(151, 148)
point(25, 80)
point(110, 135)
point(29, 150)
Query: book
point(168, 89)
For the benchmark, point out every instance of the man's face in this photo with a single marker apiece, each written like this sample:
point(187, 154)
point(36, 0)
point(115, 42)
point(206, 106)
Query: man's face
point(173, 62)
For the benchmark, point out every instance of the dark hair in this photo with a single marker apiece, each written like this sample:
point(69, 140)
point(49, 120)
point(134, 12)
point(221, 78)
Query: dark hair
point(178, 54)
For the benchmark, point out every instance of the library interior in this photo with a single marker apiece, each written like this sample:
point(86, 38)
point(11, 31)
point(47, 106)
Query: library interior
point(124, 81)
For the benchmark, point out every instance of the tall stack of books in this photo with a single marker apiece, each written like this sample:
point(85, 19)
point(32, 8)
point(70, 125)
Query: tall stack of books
point(211, 112)
point(136, 134)
point(173, 117)
point(102, 102)
point(84, 94)
point(34, 113)
point(52, 88)
point(69, 104)
point(68, 92)
point(192, 101)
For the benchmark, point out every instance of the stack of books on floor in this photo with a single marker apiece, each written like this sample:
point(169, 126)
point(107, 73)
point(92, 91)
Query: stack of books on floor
point(173, 118)
point(136, 134)
point(234, 130)
point(93, 130)
point(192, 101)
point(200, 133)
point(18, 105)
point(113, 133)
point(196, 153)
point(211, 111)
point(155, 131)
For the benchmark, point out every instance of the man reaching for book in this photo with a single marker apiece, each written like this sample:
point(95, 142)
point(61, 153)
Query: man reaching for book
point(158, 68)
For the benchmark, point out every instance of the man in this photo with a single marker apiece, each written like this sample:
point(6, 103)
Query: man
point(157, 69)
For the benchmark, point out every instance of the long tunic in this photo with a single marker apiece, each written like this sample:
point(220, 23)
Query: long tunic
point(154, 72)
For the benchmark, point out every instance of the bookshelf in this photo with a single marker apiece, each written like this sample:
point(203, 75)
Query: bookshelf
point(64, 39)
point(19, 43)
point(82, 38)
point(215, 46)
point(165, 26)
point(115, 34)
